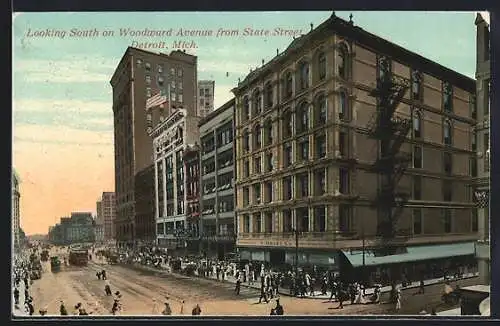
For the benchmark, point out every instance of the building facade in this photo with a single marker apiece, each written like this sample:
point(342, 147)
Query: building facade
point(217, 181)
point(106, 215)
point(481, 144)
point(81, 228)
point(192, 176)
point(16, 211)
point(304, 156)
point(170, 140)
point(206, 89)
point(140, 75)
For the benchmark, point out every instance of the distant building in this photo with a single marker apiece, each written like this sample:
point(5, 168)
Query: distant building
point(139, 76)
point(80, 228)
point(481, 145)
point(16, 196)
point(106, 215)
point(99, 233)
point(206, 89)
point(171, 138)
point(217, 181)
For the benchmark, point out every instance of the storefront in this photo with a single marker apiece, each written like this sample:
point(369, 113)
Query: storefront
point(412, 264)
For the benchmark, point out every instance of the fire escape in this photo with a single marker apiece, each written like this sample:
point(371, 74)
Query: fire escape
point(390, 131)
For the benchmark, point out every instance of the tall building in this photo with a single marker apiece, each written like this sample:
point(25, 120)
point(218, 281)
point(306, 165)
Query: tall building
point(171, 138)
point(206, 89)
point(481, 144)
point(192, 180)
point(108, 209)
point(217, 181)
point(305, 156)
point(140, 75)
point(16, 219)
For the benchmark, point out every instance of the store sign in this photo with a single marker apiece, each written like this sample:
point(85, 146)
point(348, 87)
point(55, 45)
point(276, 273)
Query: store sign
point(276, 243)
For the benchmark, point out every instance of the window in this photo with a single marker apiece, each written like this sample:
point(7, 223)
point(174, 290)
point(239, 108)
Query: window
point(474, 220)
point(302, 216)
point(173, 97)
point(447, 97)
point(417, 187)
point(321, 65)
point(303, 185)
point(257, 165)
point(257, 103)
point(246, 224)
point(257, 137)
point(304, 149)
point(147, 65)
point(246, 168)
point(417, 124)
point(246, 196)
point(288, 85)
point(246, 109)
point(148, 80)
point(287, 188)
point(447, 220)
point(342, 60)
point(447, 190)
point(320, 182)
point(160, 81)
point(448, 163)
point(304, 75)
point(447, 132)
point(384, 68)
point(172, 84)
point(486, 98)
point(287, 221)
point(139, 62)
point(320, 111)
point(417, 157)
point(344, 181)
point(180, 85)
point(268, 132)
point(256, 193)
point(320, 142)
point(287, 124)
point(160, 68)
point(172, 71)
point(268, 196)
point(246, 141)
point(343, 144)
point(179, 98)
point(202, 92)
point(416, 85)
point(287, 155)
point(345, 221)
point(302, 118)
point(148, 92)
point(486, 149)
point(269, 162)
point(343, 106)
point(473, 106)
point(474, 141)
point(269, 95)
point(180, 72)
point(268, 222)
point(473, 166)
point(417, 221)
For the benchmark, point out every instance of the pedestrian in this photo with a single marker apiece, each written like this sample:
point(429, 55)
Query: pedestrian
point(43, 311)
point(155, 307)
point(421, 287)
point(29, 307)
point(167, 311)
point(107, 288)
point(182, 308)
point(238, 286)
point(16, 296)
point(398, 299)
point(263, 295)
point(98, 274)
point(103, 274)
point(116, 307)
point(62, 309)
point(196, 310)
point(279, 308)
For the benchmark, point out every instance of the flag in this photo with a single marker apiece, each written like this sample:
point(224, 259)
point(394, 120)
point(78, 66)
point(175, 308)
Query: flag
point(156, 100)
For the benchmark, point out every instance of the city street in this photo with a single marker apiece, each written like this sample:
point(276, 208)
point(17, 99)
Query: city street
point(141, 288)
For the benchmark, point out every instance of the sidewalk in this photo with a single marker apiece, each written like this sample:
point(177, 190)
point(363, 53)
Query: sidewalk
point(317, 294)
point(19, 310)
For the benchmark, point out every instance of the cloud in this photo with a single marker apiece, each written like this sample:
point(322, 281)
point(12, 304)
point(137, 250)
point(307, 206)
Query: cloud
point(46, 105)
point(60, 135)
point(68, 70)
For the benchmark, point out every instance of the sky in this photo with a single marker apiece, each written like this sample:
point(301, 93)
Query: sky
point(62, 103)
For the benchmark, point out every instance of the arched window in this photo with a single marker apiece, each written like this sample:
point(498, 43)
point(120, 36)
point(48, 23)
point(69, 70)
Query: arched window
point(321, 65)
point(343, 106)
point(257, 137)
point(269, 95)
point(246, 141)
point(287, 124)
point(417, 124)
point(321, 110)
point(288, 91)
point(246, 109)
point(447, 132)
point(256, 103)
point(302, 118)
point(303, 75)
point(343, 61)
point(268, 132)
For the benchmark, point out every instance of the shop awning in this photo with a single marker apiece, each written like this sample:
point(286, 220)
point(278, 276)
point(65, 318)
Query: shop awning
point(414, 253)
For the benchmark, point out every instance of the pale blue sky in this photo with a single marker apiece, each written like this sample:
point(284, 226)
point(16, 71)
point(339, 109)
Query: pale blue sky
point(63, 125)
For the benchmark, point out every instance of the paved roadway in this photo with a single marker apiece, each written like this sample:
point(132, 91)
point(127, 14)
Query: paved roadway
point(143, 293)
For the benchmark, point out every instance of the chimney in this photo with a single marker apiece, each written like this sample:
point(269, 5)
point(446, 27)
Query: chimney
point(311, 26)
point(277, 51)
point(262, 61)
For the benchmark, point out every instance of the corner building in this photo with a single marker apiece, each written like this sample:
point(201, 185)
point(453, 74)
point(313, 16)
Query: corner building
point(140, 75)
point(303, 157)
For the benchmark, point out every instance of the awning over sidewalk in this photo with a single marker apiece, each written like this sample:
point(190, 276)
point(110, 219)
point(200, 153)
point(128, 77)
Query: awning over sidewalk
point(414, 253)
